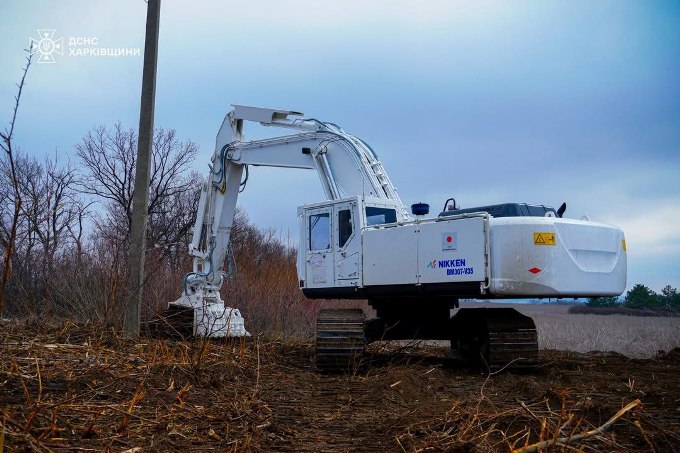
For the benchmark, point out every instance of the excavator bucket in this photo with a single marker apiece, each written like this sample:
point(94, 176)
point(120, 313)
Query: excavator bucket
point(174, 322)
point(179, 321)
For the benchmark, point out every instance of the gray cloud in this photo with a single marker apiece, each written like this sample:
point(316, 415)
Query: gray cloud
point(485, 101)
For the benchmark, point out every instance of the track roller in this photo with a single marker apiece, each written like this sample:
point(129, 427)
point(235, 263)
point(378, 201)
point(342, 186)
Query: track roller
point(495, 338)
point(339, 340)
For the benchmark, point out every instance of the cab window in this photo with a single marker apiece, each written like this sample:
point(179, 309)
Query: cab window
point(378, 216)
point(344, 226)
point(319, 232)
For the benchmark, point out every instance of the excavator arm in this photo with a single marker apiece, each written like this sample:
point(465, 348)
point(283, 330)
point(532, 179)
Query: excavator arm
point(346, 165)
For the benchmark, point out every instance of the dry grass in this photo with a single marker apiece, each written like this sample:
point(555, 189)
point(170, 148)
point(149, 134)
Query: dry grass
point(83, 388)
point(632, 336)
point(628, 335)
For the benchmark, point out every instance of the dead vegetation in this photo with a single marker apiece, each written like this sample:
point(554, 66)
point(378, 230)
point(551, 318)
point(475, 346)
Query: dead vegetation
point(620, 310)
point(632, 336)
point(85, 388)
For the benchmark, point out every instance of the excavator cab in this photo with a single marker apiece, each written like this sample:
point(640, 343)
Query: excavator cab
point(330, 254)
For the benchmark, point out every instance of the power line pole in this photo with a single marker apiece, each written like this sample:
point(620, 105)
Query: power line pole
point(140, 204)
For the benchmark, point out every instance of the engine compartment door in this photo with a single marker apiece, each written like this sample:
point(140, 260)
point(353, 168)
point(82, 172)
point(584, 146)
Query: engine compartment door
point(452, 251)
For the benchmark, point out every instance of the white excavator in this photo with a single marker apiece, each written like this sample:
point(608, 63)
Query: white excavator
point(361, 242)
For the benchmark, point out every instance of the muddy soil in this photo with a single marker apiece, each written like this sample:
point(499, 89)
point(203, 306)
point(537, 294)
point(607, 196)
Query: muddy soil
point(75, 388)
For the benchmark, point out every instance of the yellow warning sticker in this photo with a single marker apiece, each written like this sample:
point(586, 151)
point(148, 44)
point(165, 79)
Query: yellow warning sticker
point(545, 238)
point(623, 243)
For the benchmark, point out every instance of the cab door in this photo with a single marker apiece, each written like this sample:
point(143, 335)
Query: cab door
point(319, 248)
point(347, 244)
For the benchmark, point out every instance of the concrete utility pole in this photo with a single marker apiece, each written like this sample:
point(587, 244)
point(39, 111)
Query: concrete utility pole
point(140, 206)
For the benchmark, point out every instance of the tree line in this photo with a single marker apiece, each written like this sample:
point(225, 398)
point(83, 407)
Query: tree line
point(69, 257)
point(65, 226)
point(641, 296)
point(73, 218)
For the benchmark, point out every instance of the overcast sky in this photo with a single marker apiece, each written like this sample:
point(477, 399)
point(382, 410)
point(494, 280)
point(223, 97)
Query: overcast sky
point(539, 102)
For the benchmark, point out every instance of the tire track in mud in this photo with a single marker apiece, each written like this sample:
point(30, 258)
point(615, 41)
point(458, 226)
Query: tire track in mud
point(324, 413)
point(312, 412)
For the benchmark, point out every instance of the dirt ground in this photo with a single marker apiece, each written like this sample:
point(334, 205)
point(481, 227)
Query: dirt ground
point(80, 388)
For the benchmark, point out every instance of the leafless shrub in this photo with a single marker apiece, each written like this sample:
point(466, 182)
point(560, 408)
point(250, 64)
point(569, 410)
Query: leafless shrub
point(49, 229)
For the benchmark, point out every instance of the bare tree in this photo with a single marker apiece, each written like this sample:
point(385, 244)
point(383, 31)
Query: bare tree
point(6, 144)
point(109, 158)
point(52, 207)
point(172, 217)
point(50, 220)
point(24, 250)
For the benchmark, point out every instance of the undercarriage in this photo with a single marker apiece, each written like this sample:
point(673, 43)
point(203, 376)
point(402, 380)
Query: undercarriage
point(491, 339)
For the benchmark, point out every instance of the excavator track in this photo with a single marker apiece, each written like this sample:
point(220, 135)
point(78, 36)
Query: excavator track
point(495, 338)
point(339, 340)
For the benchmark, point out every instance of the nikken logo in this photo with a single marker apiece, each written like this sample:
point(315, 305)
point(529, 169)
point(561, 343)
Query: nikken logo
point(451, 263)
